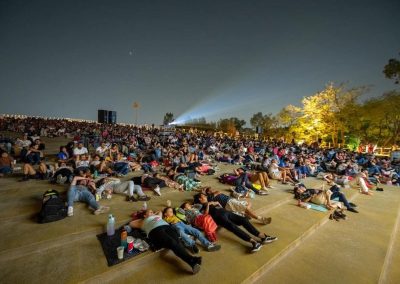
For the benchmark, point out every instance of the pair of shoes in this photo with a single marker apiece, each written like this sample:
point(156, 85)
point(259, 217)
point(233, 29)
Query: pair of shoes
point(157, 190)
point(144, 198)
point(194, 249)
point(334, 216)
point(256, 247)
point(262, 192)
point(196, 265)
point(266, 220)
point(213, 247)
point(58, 179)
point(101, 210)
point(341, 215)
point(352, 204)
point(351, 209)
point(70, 211)
point(379, 189)
point(131, 198)
point(268, 239)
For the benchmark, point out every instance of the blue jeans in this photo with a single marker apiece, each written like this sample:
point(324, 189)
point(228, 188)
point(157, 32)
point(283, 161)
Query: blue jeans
point(33, 158)
point(342, 198)
point(186, 230)
point(82, 194)
point(5, 170)
point(121, 168)
point(243, 180)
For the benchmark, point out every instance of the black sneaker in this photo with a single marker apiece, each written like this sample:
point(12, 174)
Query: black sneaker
point(351, 209)
point(131, 199)
point(352, 204)
point(268, 239)
point(144, 198)
point(198, 260)
point(256, 247)
point(196, 268)
point(342, 215)
point(194, 249)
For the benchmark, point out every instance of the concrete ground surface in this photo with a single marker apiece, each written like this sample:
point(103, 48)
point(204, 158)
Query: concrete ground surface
point(311, 248)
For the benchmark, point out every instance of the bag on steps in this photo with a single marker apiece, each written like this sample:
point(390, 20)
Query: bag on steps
point(53, 207)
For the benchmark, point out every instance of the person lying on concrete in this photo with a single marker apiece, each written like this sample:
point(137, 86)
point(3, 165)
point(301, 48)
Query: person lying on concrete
point(109, 185)
point(187, 232)
point(244, 181)
point(323, 196)
point(202, 221)
point(81, 193)
point(163, 235)
point(240, 207)
point(232, 221)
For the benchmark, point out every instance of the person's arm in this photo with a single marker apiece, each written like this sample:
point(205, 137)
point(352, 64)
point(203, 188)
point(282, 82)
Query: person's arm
point(138, 224)
point(207, 208)
point(215, 203)
point(326, 178)
point(77, 178)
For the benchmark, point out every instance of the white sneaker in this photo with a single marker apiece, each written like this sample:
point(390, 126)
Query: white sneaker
point(101, 210)
point(58, 180)
point(157, 190)
point(64, 180)
point(70, 212)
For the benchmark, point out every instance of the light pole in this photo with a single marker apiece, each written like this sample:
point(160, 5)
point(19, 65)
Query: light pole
point(136, 107)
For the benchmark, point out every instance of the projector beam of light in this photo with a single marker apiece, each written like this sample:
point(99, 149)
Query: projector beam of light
point(220, 106)
point(239, 96)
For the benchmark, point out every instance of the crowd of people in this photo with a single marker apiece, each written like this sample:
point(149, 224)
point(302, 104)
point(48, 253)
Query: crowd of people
point(98, 156)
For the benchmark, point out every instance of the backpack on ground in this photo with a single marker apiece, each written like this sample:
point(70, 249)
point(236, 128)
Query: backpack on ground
point(53, 207)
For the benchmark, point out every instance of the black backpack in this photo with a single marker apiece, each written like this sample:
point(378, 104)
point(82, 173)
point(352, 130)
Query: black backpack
point(53, 207)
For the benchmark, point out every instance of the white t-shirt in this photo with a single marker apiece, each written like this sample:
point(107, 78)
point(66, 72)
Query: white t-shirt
point(23, 143)
point(273, 169)
point(100, 150)
point(81, 151)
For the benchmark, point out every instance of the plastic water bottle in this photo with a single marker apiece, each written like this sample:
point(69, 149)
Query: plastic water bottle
point(144, 206)
point(111, 225)
point(252, 194)
point(95, 174)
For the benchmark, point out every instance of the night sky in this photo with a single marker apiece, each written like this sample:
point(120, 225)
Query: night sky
point(70, 58)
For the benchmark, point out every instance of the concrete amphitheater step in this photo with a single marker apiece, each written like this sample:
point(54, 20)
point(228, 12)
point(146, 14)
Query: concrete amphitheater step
point(85, 249)
point(84, 223)
point(69, 251)
point(233, 264)
point(357, 250)
point(289, 231)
